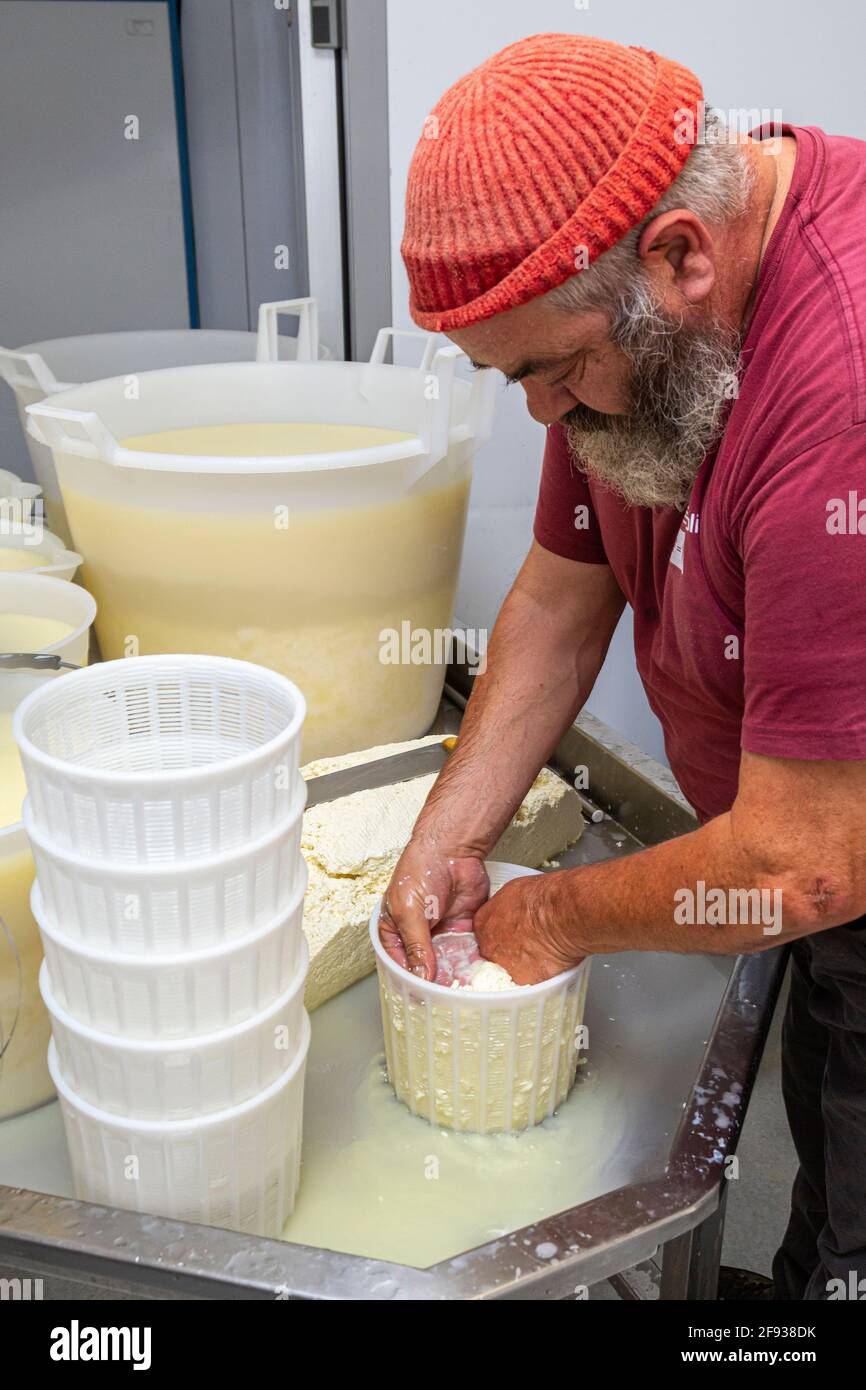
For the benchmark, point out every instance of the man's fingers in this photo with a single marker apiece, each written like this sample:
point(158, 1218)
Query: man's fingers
point(390, 939)
point(405, 935)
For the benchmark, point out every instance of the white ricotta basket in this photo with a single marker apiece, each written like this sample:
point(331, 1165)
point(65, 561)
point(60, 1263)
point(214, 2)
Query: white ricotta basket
point(178, 996)
point(160, 759)
point(237, 1168)
point(179, 1079)
point(171, 907)
point(484, 1062)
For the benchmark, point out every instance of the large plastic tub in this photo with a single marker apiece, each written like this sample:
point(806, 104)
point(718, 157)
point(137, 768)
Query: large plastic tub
point(40, 371)
point(324, 566)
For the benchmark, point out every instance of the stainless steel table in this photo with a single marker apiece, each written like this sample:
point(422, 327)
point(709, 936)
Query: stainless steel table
point(675, 1042)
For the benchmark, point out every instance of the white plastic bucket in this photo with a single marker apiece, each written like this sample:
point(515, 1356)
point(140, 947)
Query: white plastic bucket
point(40, 371)
point(39, 596)
point(302, 563)
point(162, 759)
point(491, 1062)
point(237, 1168)
point(178, 1079)
point(160, 997)
point(43, 552)
point(14, 489)
point(22, 506)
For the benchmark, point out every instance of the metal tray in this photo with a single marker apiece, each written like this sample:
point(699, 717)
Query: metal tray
point(675, 1044)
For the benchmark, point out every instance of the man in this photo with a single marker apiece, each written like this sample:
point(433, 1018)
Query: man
point(686, 315)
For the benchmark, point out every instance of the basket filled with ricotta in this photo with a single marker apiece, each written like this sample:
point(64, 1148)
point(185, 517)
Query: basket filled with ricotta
point(478, 1052)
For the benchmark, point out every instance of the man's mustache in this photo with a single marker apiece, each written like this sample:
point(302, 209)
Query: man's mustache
point(582, 417)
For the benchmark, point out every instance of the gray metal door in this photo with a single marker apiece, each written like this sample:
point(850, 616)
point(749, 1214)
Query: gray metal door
point(92, 216)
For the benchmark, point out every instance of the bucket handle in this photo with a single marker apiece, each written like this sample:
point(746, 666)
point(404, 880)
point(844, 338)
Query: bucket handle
point(66, 430)
point(437, 382)
point(482, 401)
point(307, 310)
point(27, 371)
point(384, 336)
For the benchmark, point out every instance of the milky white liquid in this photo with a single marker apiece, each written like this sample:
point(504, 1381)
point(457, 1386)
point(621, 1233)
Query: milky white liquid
point(379, 1182)
point(309, 599)
point(24, 1079)
point(13, 788)
point(15, 560)
point(21, 632)
point(261, 441)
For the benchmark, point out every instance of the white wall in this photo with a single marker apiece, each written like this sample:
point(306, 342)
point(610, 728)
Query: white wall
point(786, 54)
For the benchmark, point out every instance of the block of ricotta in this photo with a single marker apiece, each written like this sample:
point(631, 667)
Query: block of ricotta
point(351, 846)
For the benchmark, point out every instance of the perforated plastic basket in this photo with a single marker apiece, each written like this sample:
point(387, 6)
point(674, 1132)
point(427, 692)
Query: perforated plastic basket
point(170, 907)
point(182, 1079)
point(485, 1062)
point(180, 996)
point(237, 1168)
point(161, 758)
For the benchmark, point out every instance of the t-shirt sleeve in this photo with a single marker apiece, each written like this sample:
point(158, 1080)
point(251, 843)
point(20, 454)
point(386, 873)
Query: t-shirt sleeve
point(565, 519)
point(803, 546)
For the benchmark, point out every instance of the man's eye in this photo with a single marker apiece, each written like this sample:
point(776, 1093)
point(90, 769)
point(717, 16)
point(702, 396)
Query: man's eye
point(579, 361)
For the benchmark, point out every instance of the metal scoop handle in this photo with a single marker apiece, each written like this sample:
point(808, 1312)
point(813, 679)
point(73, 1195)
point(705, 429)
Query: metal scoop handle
point(39, 661)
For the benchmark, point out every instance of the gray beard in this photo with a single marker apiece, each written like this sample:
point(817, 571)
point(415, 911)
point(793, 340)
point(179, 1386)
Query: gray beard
point(681, 381)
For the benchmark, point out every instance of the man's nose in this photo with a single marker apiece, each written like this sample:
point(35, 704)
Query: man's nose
point(547, 404)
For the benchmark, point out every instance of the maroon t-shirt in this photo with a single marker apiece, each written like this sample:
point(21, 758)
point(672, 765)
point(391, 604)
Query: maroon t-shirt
point(750, 608)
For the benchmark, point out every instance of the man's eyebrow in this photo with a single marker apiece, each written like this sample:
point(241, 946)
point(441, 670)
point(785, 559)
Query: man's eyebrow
point(533, 364)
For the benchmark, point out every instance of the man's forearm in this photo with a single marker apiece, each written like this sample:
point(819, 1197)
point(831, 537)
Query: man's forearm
point(703, 892)
point(540, 669)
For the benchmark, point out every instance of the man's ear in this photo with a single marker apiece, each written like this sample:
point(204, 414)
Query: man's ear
point(678, 253)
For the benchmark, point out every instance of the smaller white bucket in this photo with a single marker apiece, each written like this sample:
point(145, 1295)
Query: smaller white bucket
point(39, 596)
point(14, 489)
point(45, 554)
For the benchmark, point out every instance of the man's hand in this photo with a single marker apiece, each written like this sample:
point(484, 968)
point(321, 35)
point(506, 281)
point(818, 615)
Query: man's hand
point(518, 929)
point(429, 887)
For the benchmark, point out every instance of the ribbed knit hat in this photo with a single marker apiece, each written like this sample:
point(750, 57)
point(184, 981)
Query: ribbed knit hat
point(533, 165)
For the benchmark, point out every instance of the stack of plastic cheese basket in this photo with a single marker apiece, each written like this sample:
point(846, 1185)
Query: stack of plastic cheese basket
point(164, 811)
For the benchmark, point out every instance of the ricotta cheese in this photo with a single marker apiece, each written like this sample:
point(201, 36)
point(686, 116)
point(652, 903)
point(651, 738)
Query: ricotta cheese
point(485, 976)
point(352, 845)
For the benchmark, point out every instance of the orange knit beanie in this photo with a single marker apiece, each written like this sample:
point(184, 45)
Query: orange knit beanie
point(534, 164)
